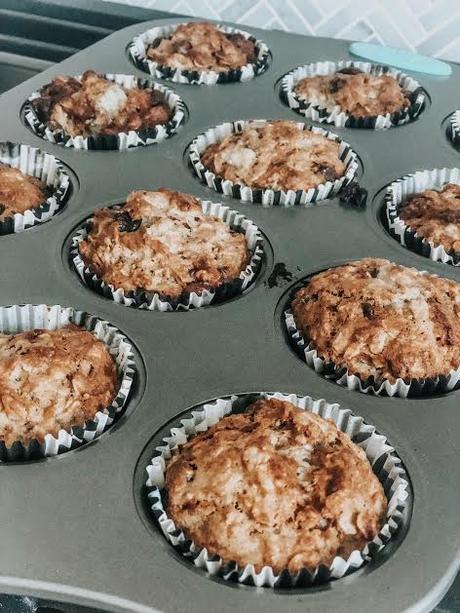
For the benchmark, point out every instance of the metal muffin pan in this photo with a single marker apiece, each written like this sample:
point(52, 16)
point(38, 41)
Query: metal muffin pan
point(75, 528)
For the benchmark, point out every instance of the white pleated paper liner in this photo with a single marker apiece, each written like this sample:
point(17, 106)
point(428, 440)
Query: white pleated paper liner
point(43, 166)
point(188, 300)
point(455, 128)
point(268, 197)
point(397, 194)
point(18, 318)
point(403, 388)
point(122, 140)
point(385, 463)
point(138, 52)
point(337, 116)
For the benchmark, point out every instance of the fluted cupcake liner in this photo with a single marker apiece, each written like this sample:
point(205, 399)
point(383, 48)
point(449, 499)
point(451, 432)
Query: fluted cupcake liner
point(401, 387)
point(385, 463)
point(188, 300)
point(18, 318)
point(455, 128)
point(397, 194)
point(138, 52)
point(122, 140)
point(268, 197)
point(43, 166)
point(337, 116)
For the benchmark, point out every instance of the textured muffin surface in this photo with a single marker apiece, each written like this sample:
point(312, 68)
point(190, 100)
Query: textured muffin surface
point(379, 319)
point(278, 155)
point(435, 215)
point(163, 242)
point(275, 486)
point(93, 105)
point(202, 47)
point(359, 93)
point(52, 380)
point(19, 192)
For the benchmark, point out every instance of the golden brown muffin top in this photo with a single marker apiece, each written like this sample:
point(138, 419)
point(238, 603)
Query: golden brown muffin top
point(275, 486)
point(52, 380)
point(277, 155)
point(359, 93)
point(379, 319)
point(163, 242)
point(19, 192)
point(435, 215)
point(93, 105)
point(202, 47)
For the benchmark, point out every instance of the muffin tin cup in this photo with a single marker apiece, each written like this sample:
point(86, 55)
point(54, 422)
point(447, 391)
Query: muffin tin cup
point(18, 318)
point(123, 140)
point(43, 166)
point(188, 300)
point(385, 463)
point(455, 129)
point(407, 186)
point(268, 197)
point(403, 388)
point(138, 53)
point(337, 116)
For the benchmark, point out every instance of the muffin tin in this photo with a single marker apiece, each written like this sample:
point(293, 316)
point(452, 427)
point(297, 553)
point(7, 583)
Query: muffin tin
point(77, 528)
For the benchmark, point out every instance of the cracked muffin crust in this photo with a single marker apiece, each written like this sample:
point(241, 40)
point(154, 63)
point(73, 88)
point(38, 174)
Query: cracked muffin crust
point(19, 192)
point(92, 105)
point(279, 155)
point(163, 242)
point(435, 216)
point(275, 486)
point(52, 380)
point(358, 93)
point(202, 47)
point(381, 320)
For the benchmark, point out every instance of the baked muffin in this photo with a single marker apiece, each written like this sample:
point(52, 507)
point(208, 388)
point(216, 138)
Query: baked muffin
point(435, 216)
point(275, 486)
point(52, 380)
point(278, 155)
point(358, 93)
point(94, 105)
point(202, 47)
point(381, 320)
point(162, 242)
point(19, 192)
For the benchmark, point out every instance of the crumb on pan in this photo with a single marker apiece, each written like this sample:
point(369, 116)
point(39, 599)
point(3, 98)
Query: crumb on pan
point(358, 93)
point(435, 216)
point(93, 105)
point(163, 242)
point(381, 320)
point(52, 380)
point(19, 192)
point(275, 486)
point(277, 155)
point(202, 47)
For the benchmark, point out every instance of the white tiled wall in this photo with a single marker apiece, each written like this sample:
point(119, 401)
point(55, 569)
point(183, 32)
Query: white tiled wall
point(429, 26)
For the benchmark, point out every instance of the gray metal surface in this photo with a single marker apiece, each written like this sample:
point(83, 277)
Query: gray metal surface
point(73, 528)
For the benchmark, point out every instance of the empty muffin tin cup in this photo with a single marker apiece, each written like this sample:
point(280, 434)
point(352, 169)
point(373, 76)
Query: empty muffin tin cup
point(153, 301)
point(122, 140)
point(138, 52)
point(454, 131)
point(341, 118)
point(384, 461)
point(397, 194)
point(403, 388)
point(43, 166)
point(19, 318)
point(268, 197)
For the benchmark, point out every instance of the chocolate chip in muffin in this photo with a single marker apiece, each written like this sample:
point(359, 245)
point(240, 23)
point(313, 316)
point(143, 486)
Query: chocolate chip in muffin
point(335, 84)
point(127, 223)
